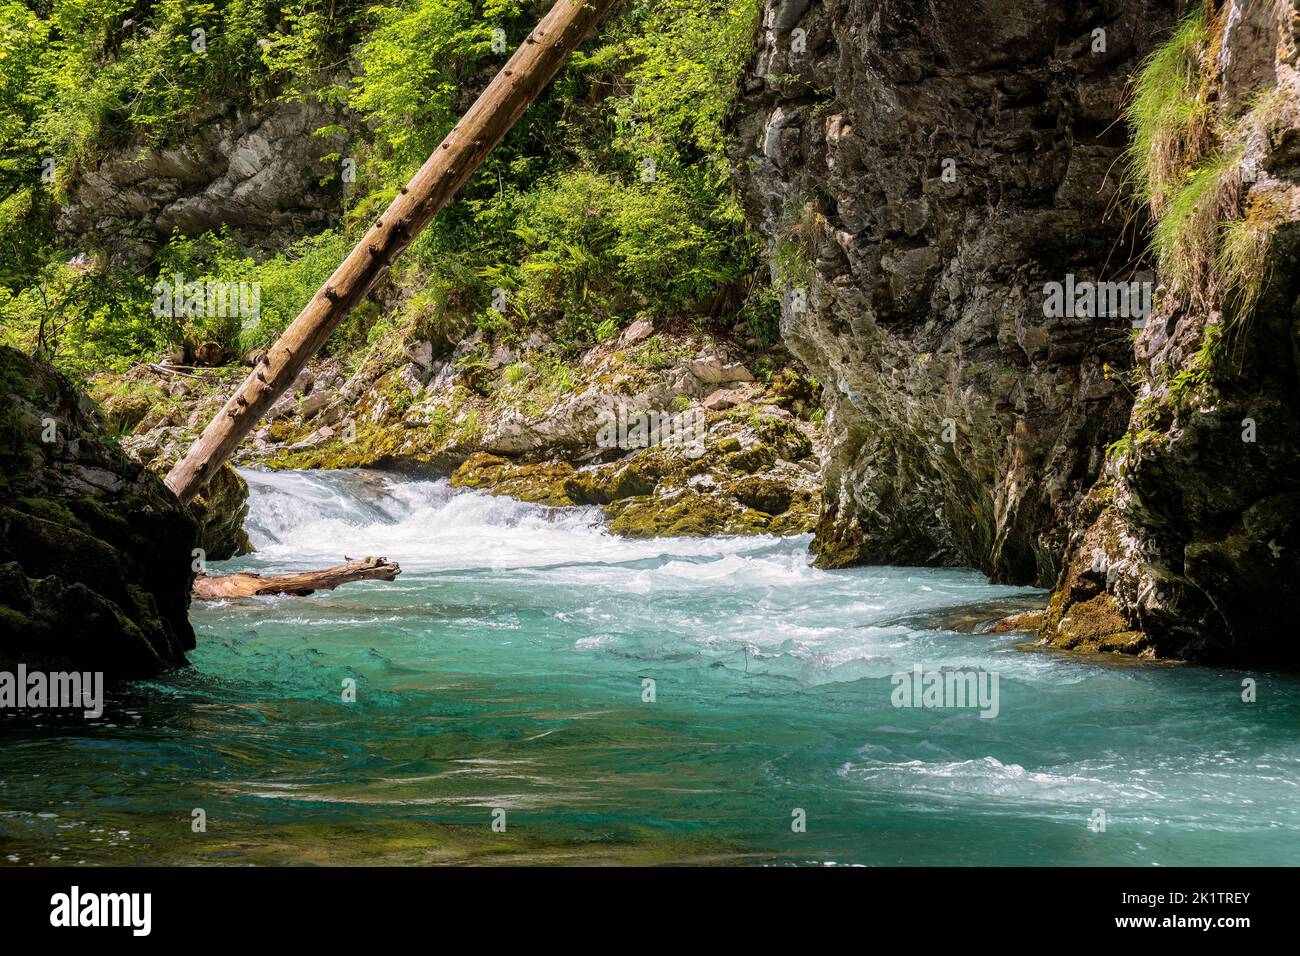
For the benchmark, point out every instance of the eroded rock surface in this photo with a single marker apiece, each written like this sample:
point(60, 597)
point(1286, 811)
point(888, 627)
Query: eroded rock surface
point(1192, 538)
point(95, 553)
point(257, 170)
point(920, 172)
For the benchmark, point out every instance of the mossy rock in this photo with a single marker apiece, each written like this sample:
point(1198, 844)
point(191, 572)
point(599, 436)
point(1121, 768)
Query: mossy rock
point(1097, 624)
point(762, 494)
point(378, 445)
point(1082, 613)
point(795, 391)
point(690, 515)
point(837, 544)
point(800, 517)
point(124, 411)
point(222, 508)
point(282, 430)
point(758, 457)
point(539, 483)
point(95, 552)
point(604, 485)
point(784, 437)
point(51, 510)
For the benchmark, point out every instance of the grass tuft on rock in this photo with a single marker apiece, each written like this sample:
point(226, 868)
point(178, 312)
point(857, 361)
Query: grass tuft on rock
point(1185, 166)
point(1168, 115)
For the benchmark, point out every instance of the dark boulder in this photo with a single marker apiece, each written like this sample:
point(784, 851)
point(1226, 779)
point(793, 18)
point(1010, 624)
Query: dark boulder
point(95, 553)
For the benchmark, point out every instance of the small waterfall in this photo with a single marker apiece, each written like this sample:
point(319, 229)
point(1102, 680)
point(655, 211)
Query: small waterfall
point(304, 518)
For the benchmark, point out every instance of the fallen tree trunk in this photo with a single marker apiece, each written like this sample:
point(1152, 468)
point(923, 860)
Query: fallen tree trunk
point(299, 584)
point(520, 82)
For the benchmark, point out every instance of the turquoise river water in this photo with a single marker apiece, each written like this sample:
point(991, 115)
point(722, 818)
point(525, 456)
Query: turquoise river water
point(503, 679)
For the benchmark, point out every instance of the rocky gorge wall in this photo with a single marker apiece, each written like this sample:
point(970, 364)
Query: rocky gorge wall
point(921, 172)
point(1189, 546)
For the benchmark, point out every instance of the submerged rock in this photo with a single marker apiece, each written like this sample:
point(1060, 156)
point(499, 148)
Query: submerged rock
point(95, 552)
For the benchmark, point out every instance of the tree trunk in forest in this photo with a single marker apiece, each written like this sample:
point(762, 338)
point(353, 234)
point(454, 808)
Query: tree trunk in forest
point(300, 584)
point(496, 110)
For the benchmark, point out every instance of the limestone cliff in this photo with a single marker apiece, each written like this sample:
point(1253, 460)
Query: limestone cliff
point(1190, 545)
point(920, 171)
point(923, 173)
point(259, 170)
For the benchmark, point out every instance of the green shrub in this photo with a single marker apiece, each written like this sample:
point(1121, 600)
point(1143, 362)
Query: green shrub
point(559, 216)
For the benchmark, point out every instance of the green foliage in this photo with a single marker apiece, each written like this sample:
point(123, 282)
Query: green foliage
point(515, 373)
point(1185, 167)
point(89, 318)
point(290, 279)
point(1119, 452)
point(284, 283)
point(653, 354)
point(576, 232)
point(595, 249)
point(1197, 373)
point(1167, 115)
point(411, 64)
point(1243, 254)
point(1186, 233)
point(792, 259)
point(564, 216)
point(103, 83)
point(83, 318)
point(685, 58)
point(762, 313)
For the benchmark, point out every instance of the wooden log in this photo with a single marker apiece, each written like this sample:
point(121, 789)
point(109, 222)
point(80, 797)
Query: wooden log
point(496, 110)
point(300, 584)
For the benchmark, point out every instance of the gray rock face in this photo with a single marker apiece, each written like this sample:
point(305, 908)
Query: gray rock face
point(921, 171)
point(256, 170)
point(1194, 542)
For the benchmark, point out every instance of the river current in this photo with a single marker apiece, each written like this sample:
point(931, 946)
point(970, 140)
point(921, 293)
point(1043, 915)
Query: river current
point(534, 690)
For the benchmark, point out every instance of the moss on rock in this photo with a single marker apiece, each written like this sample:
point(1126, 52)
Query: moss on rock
point(762, 494)
point(1082, 613)
point(543, 483)
point(690, 515)
point(95, 553)
point(605, 485)
point(222, 508)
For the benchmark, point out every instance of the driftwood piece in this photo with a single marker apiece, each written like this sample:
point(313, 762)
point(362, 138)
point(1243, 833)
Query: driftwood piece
point(504, 100)
point(299, 584)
